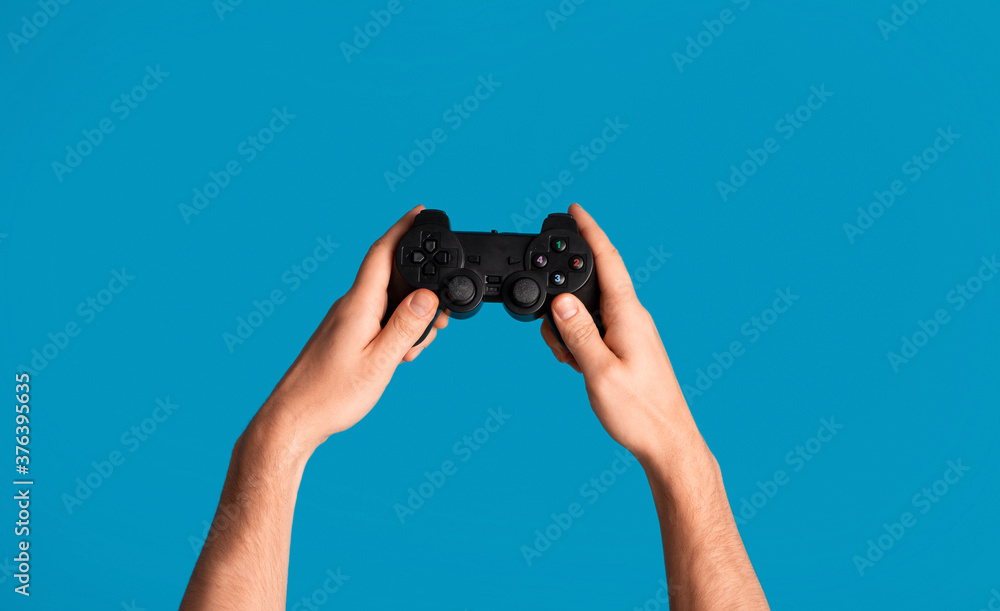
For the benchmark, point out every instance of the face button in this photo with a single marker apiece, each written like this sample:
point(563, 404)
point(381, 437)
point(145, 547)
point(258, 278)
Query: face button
point(539, 260)
point(417, 257)
point(461, 290)
point(557, 278)
point(430, 245)
point(558, 244)
point(525, 292)
point(442, 257)
point(576, 262)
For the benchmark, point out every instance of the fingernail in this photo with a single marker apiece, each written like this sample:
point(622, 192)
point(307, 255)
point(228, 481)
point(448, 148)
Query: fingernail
point(422, 303)
point(564, 308)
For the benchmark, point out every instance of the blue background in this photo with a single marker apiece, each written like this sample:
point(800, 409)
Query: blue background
point(655, 187)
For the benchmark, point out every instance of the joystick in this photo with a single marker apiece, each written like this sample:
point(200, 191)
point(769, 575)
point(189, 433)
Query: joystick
point(522, 271)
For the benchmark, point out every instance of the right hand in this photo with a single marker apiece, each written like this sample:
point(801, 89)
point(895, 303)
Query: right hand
point(630, 382)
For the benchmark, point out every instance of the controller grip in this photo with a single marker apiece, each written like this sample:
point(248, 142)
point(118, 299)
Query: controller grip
point(396, 292)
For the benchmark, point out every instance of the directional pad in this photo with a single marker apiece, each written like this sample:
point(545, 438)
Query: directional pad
point(430, 245)
point(442, 257)
point(417, 257)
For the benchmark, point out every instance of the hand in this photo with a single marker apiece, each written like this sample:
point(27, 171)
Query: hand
point(630, 381)
point(347, 363)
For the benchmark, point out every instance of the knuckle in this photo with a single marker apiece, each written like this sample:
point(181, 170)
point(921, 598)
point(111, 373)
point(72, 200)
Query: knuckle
point(582, 333)
point(344, 301)
point(404, 325)
point(612, 309)
point(378, 245)
point(618, 305)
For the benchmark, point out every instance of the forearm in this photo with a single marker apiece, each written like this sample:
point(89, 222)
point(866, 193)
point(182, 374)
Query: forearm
point(707, 566)
point(244, 562)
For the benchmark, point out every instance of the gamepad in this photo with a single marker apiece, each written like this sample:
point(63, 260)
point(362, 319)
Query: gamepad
point(522, 271)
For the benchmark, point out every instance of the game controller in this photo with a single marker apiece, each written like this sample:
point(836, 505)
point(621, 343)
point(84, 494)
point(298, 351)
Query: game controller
point(522, 271)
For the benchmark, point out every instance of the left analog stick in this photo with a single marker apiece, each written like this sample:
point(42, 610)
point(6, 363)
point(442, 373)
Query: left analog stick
point(461, 290)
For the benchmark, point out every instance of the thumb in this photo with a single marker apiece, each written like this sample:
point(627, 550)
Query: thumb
point(580, 334)
point(408, 323)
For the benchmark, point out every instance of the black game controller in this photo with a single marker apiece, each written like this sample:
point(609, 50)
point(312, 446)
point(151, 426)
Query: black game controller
point(522, 271)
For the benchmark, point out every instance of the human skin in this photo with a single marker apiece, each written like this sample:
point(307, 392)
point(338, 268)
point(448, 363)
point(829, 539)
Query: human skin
point(635, 394)
point(347, 363)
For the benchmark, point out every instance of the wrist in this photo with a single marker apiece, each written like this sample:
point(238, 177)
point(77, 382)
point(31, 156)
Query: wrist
point(278, 440)
point(680, 460)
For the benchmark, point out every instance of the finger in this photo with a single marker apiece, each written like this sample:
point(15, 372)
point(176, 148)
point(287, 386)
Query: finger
point(612, 276)
point(414, 351)
point(441, 322)
point(553, 343)
point(438, 324)
point(407, 324)
point(581, 335)
point(373, 275)
point(562, 355)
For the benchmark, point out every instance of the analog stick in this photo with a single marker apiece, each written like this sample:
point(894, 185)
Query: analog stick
point(461, 290)
point(525, 293)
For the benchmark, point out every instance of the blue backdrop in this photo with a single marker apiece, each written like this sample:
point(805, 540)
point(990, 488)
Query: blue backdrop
point(806, 197)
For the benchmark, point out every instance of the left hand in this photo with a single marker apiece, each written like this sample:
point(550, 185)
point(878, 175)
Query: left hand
point(347, 363)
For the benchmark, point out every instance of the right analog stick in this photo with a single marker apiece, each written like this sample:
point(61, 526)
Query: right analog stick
point(525, 292)
point(461, 290)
